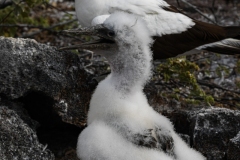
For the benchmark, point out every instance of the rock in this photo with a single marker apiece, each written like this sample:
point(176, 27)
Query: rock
point(233, 152)
point(212, 130)
point(28, 67)
point(18, 140)
point(52, 86)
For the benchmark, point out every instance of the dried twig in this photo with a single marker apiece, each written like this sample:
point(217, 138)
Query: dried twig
point(213, 11)
point(6, 16)
point(22, 25)
point(9, 13)
point(197, 10)
point(5, 3)
point(41, 28)
point(48, 28)
point(213, 85)
point(178, 3)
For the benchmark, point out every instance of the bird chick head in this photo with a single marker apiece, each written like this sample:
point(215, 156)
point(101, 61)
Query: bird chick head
point(120, 29)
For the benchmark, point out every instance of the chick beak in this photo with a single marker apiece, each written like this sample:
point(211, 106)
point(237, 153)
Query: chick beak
point(101, 43)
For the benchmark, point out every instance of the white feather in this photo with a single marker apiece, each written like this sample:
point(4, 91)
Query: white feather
point(99, 19)
point(159, 21)
point(87, 10)
point(167, 23)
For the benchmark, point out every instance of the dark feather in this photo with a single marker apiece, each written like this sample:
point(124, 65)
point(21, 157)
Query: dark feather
point(155, 139)
point(228, 46)
point(171, 45)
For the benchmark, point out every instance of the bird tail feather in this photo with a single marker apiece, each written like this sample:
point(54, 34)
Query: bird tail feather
point(228, 46)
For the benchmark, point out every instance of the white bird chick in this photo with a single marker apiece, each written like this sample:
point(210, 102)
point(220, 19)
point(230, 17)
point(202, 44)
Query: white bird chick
point(121, 123)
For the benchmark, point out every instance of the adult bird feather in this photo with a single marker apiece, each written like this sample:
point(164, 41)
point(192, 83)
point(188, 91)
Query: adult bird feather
point(174, 32)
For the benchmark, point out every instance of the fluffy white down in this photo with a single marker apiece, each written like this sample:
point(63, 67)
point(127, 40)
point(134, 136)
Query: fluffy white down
point(107, 144)
point(159, 21)
point(119, 104)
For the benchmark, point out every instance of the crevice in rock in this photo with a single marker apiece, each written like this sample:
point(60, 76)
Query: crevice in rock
point(59, 136)
point(181, 123)
point(3, 98)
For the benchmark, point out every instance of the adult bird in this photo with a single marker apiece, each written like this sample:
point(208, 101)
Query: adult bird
point(121, 123)
point(173, 32)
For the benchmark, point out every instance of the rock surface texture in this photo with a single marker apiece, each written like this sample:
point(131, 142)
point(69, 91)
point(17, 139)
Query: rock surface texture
point(18, 140)
point(233, 151)
point(44, 98)
point(51, 85)
point(214, 132)
point(27, 67)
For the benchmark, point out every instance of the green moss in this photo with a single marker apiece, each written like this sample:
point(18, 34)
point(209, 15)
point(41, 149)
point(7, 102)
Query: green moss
point(20, 13)
point(183, 72)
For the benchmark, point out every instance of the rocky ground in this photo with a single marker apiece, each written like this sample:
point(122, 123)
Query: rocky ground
point(45, 93)
point(45, 96)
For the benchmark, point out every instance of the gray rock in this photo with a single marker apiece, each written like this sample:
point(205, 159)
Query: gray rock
point(233, 152)
point(48, 83)
point(18, 140)
point(27, 66)
point(212, 130)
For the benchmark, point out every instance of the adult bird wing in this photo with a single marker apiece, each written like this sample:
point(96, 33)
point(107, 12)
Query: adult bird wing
point(171, 45)
point(175, 33)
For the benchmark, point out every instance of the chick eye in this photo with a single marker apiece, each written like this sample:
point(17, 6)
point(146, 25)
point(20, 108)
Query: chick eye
point(111, 34)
